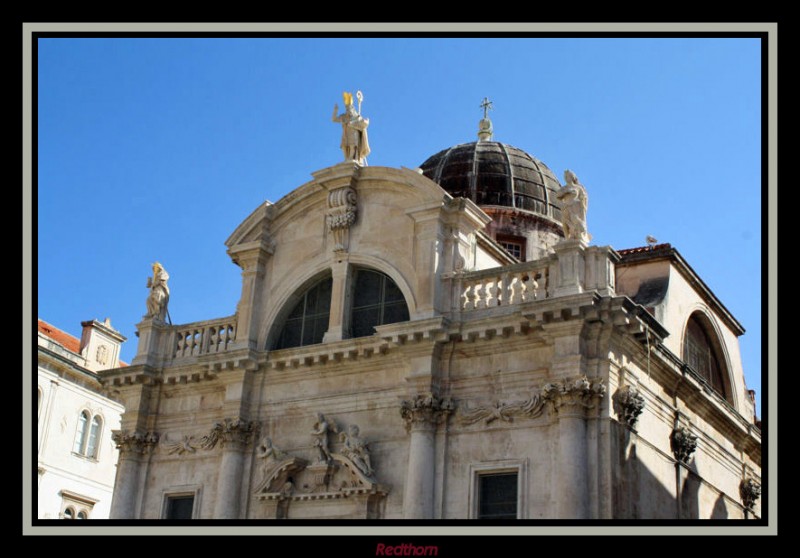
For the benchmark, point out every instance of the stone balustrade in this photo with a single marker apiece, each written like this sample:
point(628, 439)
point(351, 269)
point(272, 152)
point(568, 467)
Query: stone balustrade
point(200, 338)
point(502, 286)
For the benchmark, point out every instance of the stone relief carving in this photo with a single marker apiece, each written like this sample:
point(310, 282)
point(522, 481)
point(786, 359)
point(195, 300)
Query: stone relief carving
point(102, 355)
point(333, 475)
point(574, 204)
point(683, 443)
point(356, 449)
point(355, 143)
point(342, 213)
point(750, 491)
point(628, 404)
point(185, 445)
point(159, 294)
point(425, 409)
point(136, 442)
point(230, 431)
point(321, 430)
point(579, 391)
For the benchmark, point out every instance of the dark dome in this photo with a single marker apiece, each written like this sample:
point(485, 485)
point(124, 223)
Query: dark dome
point(492, 173)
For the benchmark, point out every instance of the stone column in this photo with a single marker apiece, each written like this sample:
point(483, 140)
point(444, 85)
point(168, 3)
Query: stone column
point(340, 270)
point(133, 450)
point(421, 414)
point(570, 400)
point(234, 436)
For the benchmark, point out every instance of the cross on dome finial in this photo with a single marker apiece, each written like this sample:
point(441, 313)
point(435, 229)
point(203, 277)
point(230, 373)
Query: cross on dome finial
point(485, 129)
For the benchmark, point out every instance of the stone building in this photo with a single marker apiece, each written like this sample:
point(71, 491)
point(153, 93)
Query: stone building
point(441, 342)
point(76, 456)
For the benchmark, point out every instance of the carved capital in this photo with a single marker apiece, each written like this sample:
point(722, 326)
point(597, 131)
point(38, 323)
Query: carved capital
point(232, 431)
point(573, 395)
point(135, 442)
point(628, 404)
point(342, 213)
point(425, 410)
point(750, 491)
point(683, 443)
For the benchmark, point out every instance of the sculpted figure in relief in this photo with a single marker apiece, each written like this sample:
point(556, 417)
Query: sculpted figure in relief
point(574, 203)
point(356, 449)
point(159, 293)
point(354, 144)
point(320, 433)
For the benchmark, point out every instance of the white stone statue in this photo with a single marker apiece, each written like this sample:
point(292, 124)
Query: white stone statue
point(159, 294)
point(355, 144)
point(574, 203)
point(320, 433)
point(267, 451)
point(356, 449)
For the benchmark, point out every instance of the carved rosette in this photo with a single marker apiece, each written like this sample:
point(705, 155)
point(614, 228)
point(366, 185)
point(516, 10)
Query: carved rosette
point(342, 213)
point(629, 404)
point(232, 431)
point(574, 395)
point(683, 443)
point(424, 411)
point(135, 442)
point(750, 491)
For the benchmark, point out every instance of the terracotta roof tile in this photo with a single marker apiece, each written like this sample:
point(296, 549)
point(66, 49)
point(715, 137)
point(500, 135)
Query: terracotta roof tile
point(68, 341)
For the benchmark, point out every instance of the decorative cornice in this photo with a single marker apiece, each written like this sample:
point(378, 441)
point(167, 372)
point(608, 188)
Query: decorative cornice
point(136, 442)
point(750, 491)
point(628, 404)
point(683, 443)
point(425, 410)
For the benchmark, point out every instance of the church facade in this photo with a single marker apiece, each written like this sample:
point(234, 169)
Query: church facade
point(440, 343)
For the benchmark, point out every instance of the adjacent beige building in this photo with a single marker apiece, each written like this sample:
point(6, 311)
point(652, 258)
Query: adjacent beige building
point(76, 456)
point(426, 343)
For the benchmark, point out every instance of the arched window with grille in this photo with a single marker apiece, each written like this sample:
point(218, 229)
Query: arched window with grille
point(702, 353)
point(308, 320)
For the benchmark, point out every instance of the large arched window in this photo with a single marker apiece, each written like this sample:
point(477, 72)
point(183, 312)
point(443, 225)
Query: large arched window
point(702, 353)
point(376, 300)
point(308, 321)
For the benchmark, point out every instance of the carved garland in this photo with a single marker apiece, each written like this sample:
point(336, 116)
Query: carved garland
point(580, 391)
point(342, 213)
point(229, 431)
point(628, 404)
point(750, 491)
point(683, 443)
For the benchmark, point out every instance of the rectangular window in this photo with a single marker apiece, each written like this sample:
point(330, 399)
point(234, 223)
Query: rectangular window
point(497, 496)
point(179, 507)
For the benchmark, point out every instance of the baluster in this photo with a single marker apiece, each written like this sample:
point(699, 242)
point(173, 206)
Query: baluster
point(493, 298)
point(515, 290)
point(505, 289)
point(541, 291)
point(530, 288)
point(469, 298)
point(480, 294)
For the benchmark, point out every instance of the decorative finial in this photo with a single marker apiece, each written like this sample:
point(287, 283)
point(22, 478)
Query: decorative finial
point(485, 129)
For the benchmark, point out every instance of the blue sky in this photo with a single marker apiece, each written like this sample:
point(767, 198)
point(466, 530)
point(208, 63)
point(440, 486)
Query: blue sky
point(156, 149)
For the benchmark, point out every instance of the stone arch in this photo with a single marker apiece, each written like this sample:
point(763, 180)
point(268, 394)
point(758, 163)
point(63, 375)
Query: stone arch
point(700, 319)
